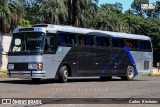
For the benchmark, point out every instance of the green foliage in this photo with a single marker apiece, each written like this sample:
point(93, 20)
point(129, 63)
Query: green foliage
point(136, 6)
point(3, 74)
point(54, 11)
point(24, 23)
point(80, 12)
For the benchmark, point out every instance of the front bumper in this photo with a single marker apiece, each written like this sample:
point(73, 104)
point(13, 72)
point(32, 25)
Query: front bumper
point(26, 74)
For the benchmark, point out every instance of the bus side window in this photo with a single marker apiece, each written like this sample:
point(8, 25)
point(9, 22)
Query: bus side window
point(99, 41)
point(61, 39)
point(127, 43)
point(89, 40)
point(72, 39)
point(102, 41)
point(116, 43)
point(122, 43)
point(46, 46)
point(135, 44)
point(50, 44)
point(145, 45)
point(67, 39)
point(132, 44)
point(81, 40)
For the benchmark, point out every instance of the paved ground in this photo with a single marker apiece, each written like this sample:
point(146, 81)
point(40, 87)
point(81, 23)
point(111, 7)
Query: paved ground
point(141, 87)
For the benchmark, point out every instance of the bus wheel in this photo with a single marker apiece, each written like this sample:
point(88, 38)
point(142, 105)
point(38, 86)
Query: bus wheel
point(35, 80)
point(106, 78)
point(63, 74)
point(130, 74)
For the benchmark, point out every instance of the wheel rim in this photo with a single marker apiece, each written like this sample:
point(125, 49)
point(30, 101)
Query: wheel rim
point(65, 74)
point(130, 72)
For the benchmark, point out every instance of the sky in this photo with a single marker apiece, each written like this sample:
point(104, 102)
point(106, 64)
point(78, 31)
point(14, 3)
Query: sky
point(126, 3)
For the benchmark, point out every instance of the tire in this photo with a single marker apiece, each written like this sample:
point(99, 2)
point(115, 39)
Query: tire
point(35, 80)
point(106, 78)
point(129, 74)
point(63, 74)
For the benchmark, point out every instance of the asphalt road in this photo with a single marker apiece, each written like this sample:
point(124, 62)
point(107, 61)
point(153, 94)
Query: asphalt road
point(140, 87)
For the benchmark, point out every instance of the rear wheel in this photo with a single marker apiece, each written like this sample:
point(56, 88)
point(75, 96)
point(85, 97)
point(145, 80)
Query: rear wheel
point(63, 74)
point(106, 78)
point(130, 74)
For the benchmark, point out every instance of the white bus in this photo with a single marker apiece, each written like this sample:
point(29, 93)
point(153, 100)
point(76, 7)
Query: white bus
point(52, 51)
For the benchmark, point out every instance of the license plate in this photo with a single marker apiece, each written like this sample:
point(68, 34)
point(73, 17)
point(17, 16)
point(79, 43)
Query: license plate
point(19, 73)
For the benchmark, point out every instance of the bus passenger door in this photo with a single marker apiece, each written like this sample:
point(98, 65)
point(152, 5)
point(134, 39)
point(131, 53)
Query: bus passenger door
point(50, 64)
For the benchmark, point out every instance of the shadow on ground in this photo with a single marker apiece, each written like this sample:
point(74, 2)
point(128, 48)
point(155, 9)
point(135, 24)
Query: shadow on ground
point(51, 81)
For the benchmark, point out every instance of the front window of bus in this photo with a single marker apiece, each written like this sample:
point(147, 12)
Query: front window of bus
point(27, 42)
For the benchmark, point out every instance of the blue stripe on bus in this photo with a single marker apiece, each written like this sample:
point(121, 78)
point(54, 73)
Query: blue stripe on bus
point(110, 63)
point(132, 60)
point(119, 63)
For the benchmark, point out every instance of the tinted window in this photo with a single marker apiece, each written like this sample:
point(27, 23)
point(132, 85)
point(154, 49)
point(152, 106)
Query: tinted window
point(67, 39)
point(89, 40)
point(145, 45)
point(50, 43)
point(85, 40)
point(131, 44)
point(118, 43)
point(102, 41)
point(81, 40)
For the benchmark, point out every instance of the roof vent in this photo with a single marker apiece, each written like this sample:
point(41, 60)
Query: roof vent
point(26, 29)
point(40, 25)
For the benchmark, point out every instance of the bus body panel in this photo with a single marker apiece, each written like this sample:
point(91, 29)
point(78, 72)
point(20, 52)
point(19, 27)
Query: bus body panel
point(141, 58)
point(25, 58)
point(97, 61)
point(21, 66)
point(51, 62)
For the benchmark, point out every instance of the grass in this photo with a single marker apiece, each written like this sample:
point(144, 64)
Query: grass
point(3, 74)
point(154, 74)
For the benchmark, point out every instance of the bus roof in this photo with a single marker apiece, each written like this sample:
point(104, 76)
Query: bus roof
point(63, 28)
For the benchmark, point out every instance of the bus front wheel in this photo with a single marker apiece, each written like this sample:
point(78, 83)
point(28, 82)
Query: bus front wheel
point(129, 73)
point(63, 74)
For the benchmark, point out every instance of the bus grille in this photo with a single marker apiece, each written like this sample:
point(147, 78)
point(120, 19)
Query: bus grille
point(21, 66)
point(146, 65)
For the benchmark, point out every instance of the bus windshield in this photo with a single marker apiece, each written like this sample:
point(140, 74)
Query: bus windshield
point(27, 41)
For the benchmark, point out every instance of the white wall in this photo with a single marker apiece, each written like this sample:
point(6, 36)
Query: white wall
point(4, 47)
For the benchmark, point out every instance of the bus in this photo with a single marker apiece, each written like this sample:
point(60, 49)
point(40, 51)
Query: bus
point(44, 51)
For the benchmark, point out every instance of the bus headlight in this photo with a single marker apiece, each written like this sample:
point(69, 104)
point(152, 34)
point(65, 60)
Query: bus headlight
point(10, 66)
point(31, 66)
point(35, 66)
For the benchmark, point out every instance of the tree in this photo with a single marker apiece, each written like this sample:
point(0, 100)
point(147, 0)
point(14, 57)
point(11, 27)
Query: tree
point(157, 11)
point(54, 11)
point(117, 7)
point(136, 6)
point(81, 11)
point(5, 14)
point(32, 11)
point(109, 17)
point(18, 10)
point(11, 12)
